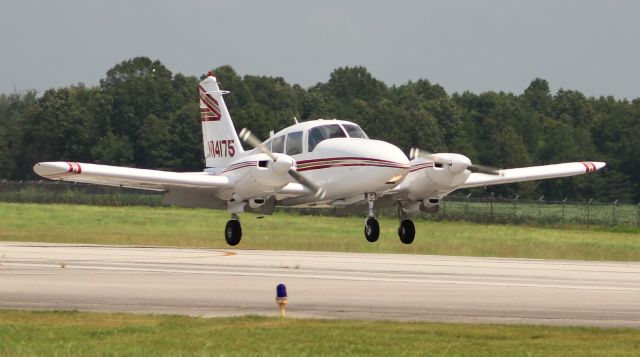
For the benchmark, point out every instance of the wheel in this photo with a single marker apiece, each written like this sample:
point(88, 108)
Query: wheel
point(407, 231)
point(371, 229)
point(233, 232)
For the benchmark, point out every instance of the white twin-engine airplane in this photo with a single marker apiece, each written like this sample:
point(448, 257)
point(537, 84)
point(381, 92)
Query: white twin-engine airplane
point(318, 163)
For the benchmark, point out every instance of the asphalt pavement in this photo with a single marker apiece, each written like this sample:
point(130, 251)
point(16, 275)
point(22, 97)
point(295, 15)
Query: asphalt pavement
point(230, 282)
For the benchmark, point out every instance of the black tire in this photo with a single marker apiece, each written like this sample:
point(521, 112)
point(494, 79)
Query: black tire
point(371, 229)
point(233, 232)
point(407, 231)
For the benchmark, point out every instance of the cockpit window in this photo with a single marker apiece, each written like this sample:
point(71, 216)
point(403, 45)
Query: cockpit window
point(320, 133)
point(294, 143)
point(277, 145)
point(354, 131)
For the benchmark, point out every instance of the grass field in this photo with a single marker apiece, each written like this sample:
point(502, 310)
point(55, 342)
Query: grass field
point(204, 228)
point(92, 334)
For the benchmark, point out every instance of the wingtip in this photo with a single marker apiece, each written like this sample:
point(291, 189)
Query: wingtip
point(49, 169)
point(600, 165)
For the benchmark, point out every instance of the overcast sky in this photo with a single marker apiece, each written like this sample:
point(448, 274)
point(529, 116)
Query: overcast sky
point(591, 46)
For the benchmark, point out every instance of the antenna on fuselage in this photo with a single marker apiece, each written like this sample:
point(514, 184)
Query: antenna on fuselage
point(295, 119)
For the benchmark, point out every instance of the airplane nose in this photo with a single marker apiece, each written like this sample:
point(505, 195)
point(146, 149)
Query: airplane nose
point(389, 152)
point(369, 152)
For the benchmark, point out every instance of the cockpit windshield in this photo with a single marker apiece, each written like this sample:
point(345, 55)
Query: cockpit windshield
point(354, 131)
point(320, 133)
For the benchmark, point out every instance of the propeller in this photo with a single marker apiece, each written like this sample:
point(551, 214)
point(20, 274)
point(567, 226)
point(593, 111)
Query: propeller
point(249, 138)
point(415, 153)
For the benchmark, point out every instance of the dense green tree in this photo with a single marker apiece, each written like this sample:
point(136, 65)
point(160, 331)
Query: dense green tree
point(143, 115)
point(185, 148)
point(537, 96)
point(113, 149)
point(153, 141)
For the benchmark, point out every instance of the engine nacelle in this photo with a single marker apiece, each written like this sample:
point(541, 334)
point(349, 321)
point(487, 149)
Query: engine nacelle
point(431, 205)
point(256, 176)
point(256, 202)
point(435, 178)
point(256, 205)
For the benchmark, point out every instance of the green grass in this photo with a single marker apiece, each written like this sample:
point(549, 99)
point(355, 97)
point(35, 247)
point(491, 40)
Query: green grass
point(93, 334)
point(204, 228)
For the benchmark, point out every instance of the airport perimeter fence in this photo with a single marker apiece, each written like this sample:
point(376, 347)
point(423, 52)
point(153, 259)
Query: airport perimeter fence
point(541, 211)
point(75, 193)
point(467, 208)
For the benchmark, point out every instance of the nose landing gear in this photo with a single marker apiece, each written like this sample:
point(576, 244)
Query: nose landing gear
point(371, 225)
point(233, 230)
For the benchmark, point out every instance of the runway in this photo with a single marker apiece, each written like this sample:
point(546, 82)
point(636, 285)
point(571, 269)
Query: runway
point(225, 282)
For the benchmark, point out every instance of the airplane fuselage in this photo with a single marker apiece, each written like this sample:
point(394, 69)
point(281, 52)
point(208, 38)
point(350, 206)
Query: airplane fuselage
point(346, 167)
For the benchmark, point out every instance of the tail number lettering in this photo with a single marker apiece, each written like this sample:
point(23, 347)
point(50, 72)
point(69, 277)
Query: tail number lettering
point(221, 148)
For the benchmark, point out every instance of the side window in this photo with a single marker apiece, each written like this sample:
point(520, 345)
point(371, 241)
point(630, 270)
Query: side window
point(315, 136)
point(354, 131)
point(294, 143)
point(320, 133)
point(277, 145)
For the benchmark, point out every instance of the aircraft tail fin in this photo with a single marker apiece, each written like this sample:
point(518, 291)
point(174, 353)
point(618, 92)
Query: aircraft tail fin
point(221, 142)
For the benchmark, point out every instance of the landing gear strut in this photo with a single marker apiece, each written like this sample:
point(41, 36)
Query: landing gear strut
point(371, 226)
point(233, 230)
point(407, 230)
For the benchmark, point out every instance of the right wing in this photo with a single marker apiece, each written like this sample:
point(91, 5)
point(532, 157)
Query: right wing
point(128, 177)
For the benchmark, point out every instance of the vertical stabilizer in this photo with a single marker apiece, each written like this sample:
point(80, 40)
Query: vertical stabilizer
point(221, 142)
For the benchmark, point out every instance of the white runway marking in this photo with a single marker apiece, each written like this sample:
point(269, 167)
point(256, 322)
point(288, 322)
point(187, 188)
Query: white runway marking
point(215, 282)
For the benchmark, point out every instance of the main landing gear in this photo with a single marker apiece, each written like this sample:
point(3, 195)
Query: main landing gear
point(407, 230)
point(233, 230)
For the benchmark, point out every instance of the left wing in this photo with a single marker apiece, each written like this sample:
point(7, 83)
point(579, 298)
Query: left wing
point(429, 181)
point(531, 173)
point(128, 177)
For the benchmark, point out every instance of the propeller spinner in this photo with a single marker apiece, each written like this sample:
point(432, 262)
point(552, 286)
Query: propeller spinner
point(249, 138)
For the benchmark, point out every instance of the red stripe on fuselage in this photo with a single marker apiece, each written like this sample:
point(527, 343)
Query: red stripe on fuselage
point(346, 158)
point(326, 166)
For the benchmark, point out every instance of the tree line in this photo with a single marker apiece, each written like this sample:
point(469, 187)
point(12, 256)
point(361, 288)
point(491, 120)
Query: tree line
point(143, 115)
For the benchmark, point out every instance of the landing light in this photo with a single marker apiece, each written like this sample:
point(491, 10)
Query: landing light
point(394, 179)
